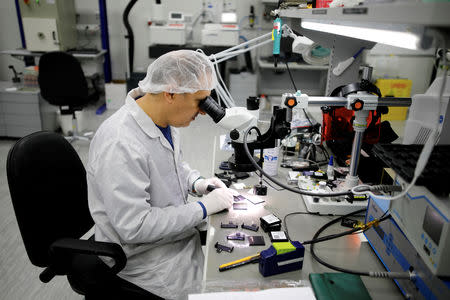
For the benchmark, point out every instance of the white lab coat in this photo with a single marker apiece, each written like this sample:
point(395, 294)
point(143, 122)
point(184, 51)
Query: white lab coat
point(137, 189)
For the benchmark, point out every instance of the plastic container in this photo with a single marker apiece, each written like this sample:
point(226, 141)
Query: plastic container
point(271, 159)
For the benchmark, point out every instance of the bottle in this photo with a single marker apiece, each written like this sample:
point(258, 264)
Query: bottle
point(330, 169)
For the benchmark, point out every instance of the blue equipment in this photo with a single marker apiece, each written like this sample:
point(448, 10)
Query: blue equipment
point(273, 261)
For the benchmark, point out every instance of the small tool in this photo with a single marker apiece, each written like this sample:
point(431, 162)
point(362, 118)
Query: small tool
point(239, 198)
point(252, 227)
point(239, 262)
point(229, 225)
point(220, 248)
point(236, 237)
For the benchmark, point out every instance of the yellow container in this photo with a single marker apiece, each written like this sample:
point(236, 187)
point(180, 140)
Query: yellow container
point(395, 88)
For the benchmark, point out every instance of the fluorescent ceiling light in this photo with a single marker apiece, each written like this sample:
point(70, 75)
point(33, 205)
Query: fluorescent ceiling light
point(402, 39)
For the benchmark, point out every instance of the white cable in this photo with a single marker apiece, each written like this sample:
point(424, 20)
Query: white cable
point(243, 44)
point(219, 94)
point(221, 87)
point(227, 94)
point(426, 150)
point(237, 52)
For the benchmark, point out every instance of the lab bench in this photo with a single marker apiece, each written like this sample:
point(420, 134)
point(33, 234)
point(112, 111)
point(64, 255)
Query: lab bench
point(23, 111)
point(349, 252)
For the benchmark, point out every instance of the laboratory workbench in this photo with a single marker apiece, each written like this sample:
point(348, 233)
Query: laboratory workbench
point(351, 252)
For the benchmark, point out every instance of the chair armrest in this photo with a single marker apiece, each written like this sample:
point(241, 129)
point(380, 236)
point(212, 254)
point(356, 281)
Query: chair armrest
point(62, 250)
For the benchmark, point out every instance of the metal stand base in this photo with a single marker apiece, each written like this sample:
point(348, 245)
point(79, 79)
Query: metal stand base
point(75, 134)
point(73, 138)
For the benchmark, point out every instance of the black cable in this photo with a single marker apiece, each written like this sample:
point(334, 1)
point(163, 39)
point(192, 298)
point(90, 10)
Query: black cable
point(313, 254)
point(291, 214)
point(269, 184)
point(295, 88)
point(316, 237)
point(331, 236)
point(130, 35)
point(290, 75)
point(301, 192)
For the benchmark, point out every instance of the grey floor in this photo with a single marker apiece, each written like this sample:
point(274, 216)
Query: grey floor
point(19, 279)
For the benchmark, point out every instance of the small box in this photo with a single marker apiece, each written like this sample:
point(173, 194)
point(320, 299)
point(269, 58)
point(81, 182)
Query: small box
point(278, 236)
point(220, 35)
point(270, 223)
point(170, 34)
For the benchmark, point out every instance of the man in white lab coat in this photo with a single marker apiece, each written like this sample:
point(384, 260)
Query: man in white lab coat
point(138, 183)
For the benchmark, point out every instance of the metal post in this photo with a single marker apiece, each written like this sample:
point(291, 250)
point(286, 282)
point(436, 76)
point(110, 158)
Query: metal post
point(359, 125)
point(356, 152)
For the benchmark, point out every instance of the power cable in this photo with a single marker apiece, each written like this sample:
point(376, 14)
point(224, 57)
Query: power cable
point(398, 275)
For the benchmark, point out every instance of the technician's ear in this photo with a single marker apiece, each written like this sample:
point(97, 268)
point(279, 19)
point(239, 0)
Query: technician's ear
point(169, 97)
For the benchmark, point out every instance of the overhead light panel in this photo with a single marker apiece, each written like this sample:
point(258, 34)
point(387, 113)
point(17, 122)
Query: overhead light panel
point(395, 35)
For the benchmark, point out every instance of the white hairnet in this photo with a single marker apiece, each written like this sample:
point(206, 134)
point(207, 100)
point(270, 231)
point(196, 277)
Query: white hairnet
point(178, 72)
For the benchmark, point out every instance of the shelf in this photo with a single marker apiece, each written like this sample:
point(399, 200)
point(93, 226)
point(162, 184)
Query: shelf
point(22, 52)
point(430, 14)
point(292, 66)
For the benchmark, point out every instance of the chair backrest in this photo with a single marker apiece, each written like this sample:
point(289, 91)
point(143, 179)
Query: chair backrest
point(47, 183)
point(61, 79)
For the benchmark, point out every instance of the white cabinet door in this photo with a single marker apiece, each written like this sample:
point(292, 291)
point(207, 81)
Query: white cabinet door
point(41, 34)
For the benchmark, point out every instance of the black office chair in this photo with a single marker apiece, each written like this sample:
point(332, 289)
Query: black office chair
point(62, 83)
point(48, 187)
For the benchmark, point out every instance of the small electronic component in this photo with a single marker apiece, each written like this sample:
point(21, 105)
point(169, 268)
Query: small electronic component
point(278, 236)
point(220, 248)
point(351, 198)
point(270, 223)
point(240, 206)
point(256, 240)
point(260, 190)
point(252, 227)
point(347, 222)
point(229, 225)
point(236, 237)
point(239, 198)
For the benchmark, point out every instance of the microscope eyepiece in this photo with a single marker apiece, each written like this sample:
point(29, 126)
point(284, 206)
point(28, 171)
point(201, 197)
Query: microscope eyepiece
point(212, 108)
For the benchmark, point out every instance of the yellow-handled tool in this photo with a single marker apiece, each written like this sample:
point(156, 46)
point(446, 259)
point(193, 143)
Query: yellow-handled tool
point(240, 262)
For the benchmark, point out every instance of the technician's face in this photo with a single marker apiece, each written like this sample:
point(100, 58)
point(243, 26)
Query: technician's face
point(186, 107)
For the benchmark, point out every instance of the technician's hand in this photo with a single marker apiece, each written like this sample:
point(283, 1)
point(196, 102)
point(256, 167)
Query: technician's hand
point(201, 185)
point(217, 200)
